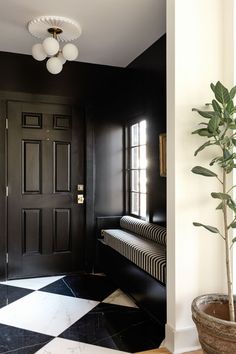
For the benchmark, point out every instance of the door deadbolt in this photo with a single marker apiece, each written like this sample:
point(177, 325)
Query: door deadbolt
point(80, 187)
point(80, 199)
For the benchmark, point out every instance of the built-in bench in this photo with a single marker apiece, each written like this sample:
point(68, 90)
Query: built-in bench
point(134, 255)
point(142, 243)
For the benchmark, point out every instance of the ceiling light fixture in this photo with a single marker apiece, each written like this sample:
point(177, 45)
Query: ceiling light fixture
point(54, 29)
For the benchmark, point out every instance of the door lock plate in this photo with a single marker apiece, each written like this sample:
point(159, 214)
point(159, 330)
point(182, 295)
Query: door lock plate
point(80, 187)
point(80, 199)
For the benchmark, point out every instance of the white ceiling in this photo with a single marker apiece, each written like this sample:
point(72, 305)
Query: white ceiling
point(114, 32)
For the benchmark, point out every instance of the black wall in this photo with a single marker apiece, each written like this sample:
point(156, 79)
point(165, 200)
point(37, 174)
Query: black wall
point(85, 83)
point(88, 86)
point(110, 97)
point(109, 168)
point(152, 66)
point(141, 95)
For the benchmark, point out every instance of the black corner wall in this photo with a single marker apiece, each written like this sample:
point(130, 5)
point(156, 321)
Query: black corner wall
point(140, 94)
point(150, 67)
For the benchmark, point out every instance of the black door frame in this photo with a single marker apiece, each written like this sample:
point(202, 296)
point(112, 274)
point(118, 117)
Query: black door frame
point(6, 96)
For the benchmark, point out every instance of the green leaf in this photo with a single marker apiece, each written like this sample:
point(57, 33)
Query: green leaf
point(227, 117)
point(225, 140)
point(208, 227)
point(216, 106)
point(227, 155)
point(229, 169)
point(234, 239)
point(216, 159)
point(213, 87)
point(203, 132)
point(213, 124)
point(220, 206)
point(205, 114)
point(202, 147)
point(222, 196)
point(234, 141)
point(231, 204)
point(199, 170)
point(229, 161)
point(230, 106)
point(233, 225)
point(232, 92)
point(221, 93)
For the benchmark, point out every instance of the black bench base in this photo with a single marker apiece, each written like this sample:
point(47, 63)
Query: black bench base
point(148, 293)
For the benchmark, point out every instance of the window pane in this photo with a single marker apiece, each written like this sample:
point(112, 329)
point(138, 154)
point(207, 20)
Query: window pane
point(135, 203)
point(134, 134)
point(143, 157)
point(143, 181)
point(143, 132)
point(135, 157)
point(135, 181)
point(143, 204)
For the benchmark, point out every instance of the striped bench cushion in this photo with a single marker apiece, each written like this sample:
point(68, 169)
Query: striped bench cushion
point(148, 255)
point(143, 228)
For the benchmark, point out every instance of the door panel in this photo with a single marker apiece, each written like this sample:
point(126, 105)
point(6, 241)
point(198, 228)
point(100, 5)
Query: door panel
point(31, 231)
point(31, 167)
point(62, 226)
point(45, 164)
point(62, 167)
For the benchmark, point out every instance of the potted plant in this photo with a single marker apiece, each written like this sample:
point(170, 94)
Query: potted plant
point(214, 314)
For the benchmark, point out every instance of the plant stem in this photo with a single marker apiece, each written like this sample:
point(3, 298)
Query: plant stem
point(228, 256)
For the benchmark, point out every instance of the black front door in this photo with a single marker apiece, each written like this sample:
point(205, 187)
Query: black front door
point(45, 167)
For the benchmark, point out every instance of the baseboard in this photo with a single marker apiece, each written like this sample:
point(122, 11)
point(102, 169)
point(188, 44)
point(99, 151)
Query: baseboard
point(182, 340)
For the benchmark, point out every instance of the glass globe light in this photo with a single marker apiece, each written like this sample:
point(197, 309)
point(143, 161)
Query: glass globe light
point(38, 52)
point(62, 59)
point(54, 65)
point(51, 46)
point(70, 51)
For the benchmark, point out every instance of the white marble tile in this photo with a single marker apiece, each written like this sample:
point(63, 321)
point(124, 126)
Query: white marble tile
point(32, 283)
point(45, 312)
point(65, 346)
point(120, 298)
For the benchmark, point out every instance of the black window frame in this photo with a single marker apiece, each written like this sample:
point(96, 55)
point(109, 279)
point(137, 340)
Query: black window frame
point(129, 169)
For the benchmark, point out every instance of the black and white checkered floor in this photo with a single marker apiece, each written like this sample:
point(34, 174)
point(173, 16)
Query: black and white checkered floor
point(79, 314)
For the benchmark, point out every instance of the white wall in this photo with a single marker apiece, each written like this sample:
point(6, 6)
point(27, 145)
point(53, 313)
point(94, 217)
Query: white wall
point(199, 51)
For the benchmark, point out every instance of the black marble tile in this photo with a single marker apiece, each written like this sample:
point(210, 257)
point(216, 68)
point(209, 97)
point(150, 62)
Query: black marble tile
point(20, 341)
point(117, 327)
point(9, 294)
point(86, 286)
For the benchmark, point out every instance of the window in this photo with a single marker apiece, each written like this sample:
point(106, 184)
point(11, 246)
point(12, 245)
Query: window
point(137, 169)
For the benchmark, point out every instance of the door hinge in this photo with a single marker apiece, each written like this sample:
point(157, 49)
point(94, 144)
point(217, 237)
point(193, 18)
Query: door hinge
point(6, 191)
point(6, 123)
point(7, 258)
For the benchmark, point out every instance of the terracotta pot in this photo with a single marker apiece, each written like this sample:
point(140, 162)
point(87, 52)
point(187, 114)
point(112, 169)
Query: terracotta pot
point(217, 335)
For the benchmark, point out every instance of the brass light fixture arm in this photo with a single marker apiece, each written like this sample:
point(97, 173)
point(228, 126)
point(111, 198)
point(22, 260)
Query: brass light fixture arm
point(55, 31)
